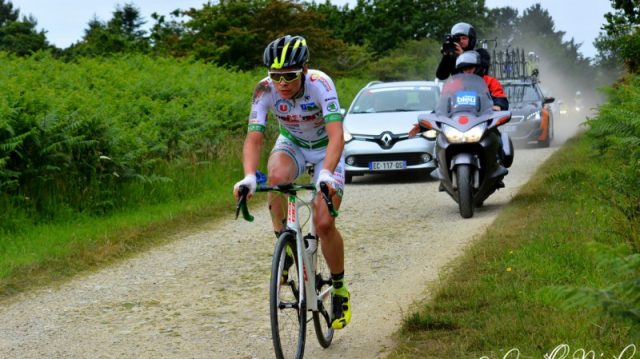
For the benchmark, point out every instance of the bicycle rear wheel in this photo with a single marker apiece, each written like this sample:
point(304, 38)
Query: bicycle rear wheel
point(288, 314)
point(322, 318)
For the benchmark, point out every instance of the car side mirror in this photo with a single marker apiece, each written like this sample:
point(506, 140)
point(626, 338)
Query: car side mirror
point(548, 100)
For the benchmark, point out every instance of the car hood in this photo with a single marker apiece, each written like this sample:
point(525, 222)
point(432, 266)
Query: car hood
point(524, 107)
point(376, 123)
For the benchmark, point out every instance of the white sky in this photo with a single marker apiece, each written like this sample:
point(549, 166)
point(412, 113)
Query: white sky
point(579, 19)
point(66, 20)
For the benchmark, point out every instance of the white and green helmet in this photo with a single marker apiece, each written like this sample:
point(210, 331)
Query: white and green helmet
point(286, 51)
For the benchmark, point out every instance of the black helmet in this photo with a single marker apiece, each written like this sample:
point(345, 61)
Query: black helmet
point(287, 51)
point(468, 58)
point(485, 61)
point(462, 28)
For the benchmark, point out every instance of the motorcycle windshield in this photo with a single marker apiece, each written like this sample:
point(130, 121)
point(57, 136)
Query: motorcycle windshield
point(464, 93)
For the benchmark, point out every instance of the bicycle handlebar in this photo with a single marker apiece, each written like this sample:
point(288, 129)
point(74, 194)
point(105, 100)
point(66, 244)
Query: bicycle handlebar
point(286, 188)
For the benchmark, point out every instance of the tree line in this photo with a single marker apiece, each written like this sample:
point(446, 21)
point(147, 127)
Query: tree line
point(381, 38)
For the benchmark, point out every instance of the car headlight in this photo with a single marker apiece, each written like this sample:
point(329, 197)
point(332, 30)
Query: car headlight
point(471, 136)
point(534, 116)
point(347, 136)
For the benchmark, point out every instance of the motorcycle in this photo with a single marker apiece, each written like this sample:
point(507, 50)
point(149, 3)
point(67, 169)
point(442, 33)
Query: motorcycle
point(472, 155)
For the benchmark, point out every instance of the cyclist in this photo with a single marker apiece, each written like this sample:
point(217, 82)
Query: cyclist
point(461, 39)
point(305, 103)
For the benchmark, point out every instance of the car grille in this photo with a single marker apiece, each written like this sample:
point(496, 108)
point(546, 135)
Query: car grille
point(411, 158)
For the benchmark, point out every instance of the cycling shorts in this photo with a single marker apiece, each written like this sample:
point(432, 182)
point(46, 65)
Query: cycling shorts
point(302, 156)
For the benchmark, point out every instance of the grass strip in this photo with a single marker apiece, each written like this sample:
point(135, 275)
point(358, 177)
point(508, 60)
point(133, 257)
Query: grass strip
point(497, 301)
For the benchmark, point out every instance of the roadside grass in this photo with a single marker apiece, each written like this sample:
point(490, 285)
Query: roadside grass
point(51, 252)
point(500, 299)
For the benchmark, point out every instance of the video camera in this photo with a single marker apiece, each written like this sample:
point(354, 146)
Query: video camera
point(449, 44)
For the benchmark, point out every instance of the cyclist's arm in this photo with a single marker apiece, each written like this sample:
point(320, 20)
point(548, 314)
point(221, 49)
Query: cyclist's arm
point(257, 125)
point(335, 146)
point(251, 152)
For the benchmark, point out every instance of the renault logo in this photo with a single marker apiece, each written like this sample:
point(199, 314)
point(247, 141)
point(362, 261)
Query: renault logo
point(386, 139)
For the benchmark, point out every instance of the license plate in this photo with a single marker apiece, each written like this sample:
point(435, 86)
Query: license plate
point(387, 165)
point(507, 128)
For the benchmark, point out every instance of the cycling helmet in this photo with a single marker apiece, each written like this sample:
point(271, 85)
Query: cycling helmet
point(462, 28)
point(286, 51)
point(467, 59)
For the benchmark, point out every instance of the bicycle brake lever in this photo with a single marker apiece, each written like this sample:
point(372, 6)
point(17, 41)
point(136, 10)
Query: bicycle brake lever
point(324, 189)
point(242, 204)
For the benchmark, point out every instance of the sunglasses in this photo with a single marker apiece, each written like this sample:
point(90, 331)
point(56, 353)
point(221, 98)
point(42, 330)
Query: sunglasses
point(288, 77)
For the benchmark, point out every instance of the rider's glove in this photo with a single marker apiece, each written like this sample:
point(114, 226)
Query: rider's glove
point(327, 177)
point(249, 181)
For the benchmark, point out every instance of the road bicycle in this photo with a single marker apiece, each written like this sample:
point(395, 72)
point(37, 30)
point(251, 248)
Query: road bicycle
point(295, 261)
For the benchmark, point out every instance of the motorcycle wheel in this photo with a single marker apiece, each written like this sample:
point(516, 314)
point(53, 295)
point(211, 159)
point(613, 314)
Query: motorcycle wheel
point(465, 203)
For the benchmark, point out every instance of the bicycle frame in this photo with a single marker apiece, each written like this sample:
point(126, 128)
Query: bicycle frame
point(307, 249)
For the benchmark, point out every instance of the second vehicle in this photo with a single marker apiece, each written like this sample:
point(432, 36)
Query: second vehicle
point(532, 120)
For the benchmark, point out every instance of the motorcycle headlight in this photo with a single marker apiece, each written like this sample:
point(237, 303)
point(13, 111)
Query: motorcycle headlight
point(430, 135)
point(471, 136)
point(534, 116)
point(347, 136)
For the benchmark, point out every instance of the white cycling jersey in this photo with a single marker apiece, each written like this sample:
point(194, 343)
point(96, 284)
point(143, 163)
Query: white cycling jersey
point(302, 120)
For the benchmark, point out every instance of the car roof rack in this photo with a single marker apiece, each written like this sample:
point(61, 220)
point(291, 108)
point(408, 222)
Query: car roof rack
point(513, 64)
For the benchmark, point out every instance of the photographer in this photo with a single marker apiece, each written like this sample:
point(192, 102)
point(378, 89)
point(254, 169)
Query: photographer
point(461, 39)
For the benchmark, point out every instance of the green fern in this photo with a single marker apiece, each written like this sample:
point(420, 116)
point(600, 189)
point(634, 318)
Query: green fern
point(620, 299)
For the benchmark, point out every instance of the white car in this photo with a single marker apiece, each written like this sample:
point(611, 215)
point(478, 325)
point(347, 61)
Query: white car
point(377, 124)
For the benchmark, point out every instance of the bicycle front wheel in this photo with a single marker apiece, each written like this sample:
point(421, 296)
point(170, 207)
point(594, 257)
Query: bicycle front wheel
point(322, 318)
point(288, 313)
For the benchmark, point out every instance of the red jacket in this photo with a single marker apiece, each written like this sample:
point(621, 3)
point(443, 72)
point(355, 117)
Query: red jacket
point(495, 87)
point(497, 92)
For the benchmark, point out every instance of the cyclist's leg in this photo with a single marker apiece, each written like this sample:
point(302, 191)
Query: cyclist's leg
point(286, 163)
point(325, 224)
point(333, 249)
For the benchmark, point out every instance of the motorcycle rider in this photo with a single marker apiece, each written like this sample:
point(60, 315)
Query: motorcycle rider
point(305, 103)
point(462, 38)
point(477, 62)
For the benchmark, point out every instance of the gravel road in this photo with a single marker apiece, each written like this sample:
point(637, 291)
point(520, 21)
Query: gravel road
point(205, 294)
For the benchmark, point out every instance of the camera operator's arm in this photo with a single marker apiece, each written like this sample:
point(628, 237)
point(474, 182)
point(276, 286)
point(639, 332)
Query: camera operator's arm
point(446, 66)
point(450, 50)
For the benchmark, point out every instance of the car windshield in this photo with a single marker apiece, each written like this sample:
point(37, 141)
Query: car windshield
point(519, 93)
point(396, 99)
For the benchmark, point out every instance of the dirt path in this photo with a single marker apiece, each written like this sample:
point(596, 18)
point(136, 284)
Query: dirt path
point(205, 295)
